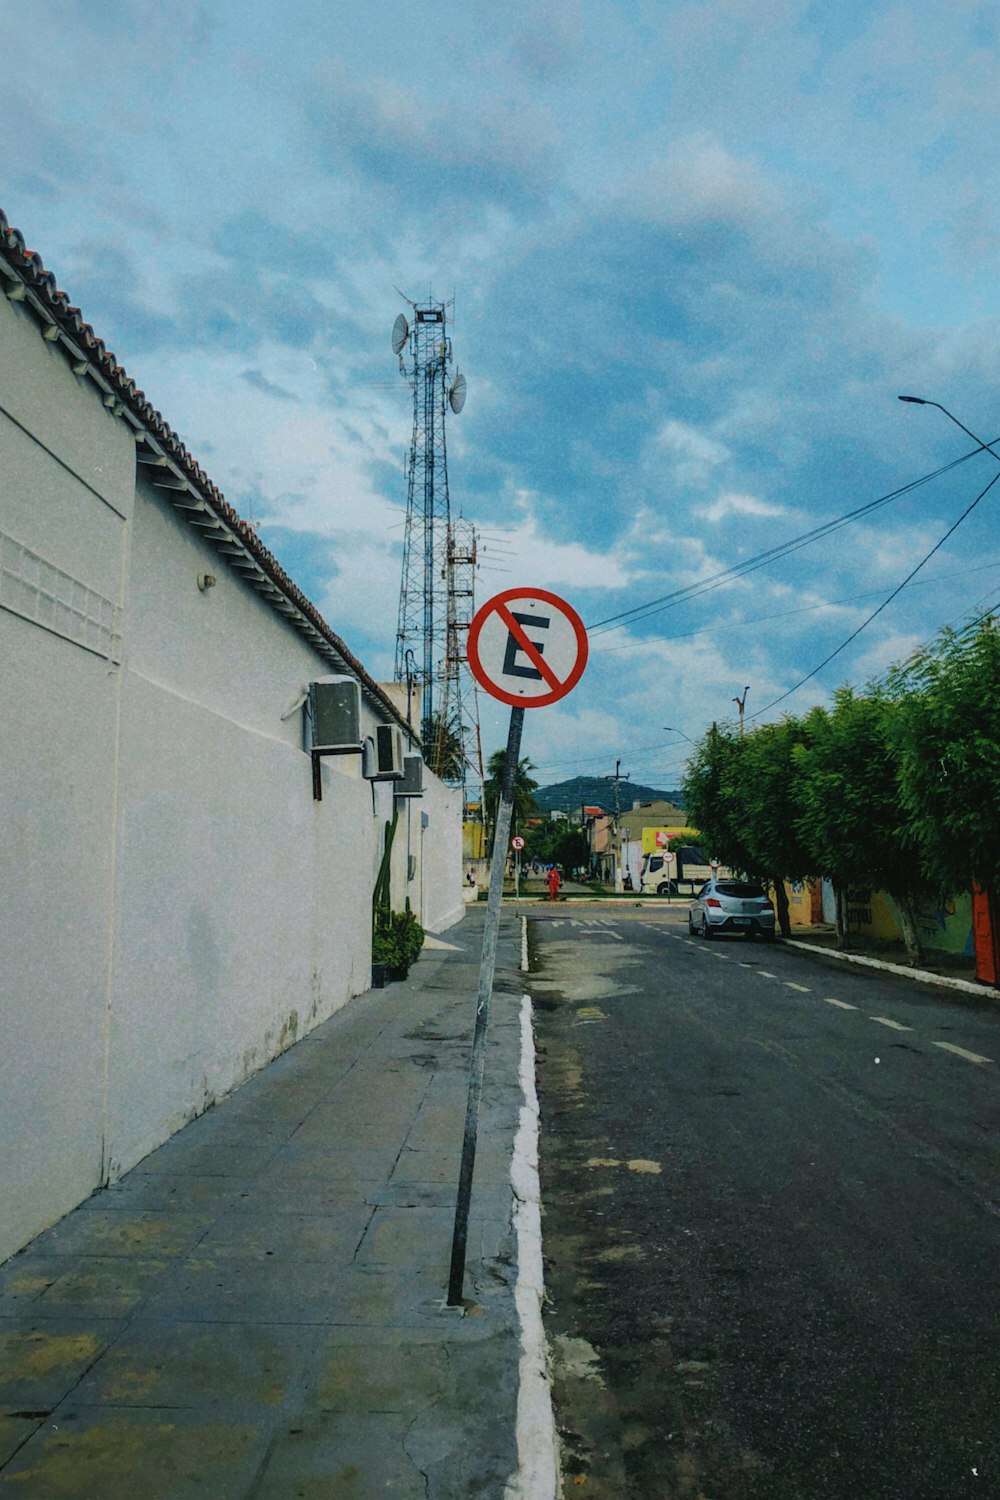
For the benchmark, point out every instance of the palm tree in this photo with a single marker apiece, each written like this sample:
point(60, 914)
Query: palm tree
point(524, 802)
point(444, 751)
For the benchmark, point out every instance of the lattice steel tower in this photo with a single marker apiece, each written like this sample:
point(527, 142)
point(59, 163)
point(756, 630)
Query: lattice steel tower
point(439, 558)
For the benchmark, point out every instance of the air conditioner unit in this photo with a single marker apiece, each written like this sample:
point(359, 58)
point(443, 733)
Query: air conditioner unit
point(335, 715)
point(388, 753)
point(412, 784)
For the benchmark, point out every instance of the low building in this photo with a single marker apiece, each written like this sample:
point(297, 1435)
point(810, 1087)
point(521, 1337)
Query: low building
point(177, 905)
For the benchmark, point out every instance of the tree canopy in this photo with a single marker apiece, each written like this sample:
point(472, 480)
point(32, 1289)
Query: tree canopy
point(946, 737)
point(896, 787)
point(523, 802)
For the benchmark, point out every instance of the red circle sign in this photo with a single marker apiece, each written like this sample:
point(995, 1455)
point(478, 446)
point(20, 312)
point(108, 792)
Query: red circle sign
point(527, 647)
point(517, 842)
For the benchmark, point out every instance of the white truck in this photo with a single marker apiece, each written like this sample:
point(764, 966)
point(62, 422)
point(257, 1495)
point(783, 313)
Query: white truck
point(665, 874)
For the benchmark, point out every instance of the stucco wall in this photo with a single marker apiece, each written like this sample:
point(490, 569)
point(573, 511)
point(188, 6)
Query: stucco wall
point(175, 908)
point(65, 499)
point(441, 848)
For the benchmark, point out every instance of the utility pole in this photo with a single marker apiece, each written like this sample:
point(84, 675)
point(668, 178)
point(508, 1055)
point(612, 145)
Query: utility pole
point(617, 778)
point(741, 705)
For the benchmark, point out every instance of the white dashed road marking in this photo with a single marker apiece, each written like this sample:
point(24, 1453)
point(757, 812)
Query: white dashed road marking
point(700, 947)
point(961, 1052)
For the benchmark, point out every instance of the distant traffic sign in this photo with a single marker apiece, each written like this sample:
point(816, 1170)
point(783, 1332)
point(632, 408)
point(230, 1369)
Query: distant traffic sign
point(527, 647)
point(517, 842)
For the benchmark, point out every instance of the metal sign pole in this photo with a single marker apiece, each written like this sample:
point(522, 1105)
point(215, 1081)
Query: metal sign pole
point(486, 971)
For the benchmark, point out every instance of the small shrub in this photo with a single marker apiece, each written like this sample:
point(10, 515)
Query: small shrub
point(398, 942)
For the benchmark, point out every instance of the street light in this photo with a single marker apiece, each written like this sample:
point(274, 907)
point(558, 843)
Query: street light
point(920, 401)
point(669, 729)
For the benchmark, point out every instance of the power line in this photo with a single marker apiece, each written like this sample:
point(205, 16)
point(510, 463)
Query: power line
point(587, 760)
point(761, 559)
point(686, 635)
point(885, 603)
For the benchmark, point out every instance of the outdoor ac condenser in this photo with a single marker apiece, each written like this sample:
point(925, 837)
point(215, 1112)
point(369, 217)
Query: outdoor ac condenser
point(412, 784)
point(335, 714)
point(388, 752)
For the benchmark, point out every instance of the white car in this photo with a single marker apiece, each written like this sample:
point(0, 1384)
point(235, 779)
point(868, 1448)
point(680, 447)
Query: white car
point(732, 906)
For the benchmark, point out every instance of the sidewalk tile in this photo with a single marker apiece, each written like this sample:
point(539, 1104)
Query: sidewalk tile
point(93, 1230)
point(200, 1366)
point(324, 1456)
point(332, 1237)
point(43, 1358)
point(119, 1455)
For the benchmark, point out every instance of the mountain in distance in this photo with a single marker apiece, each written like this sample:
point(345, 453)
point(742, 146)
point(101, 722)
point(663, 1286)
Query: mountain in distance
point(595, 791)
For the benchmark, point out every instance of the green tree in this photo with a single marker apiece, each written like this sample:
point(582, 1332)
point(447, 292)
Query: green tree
point(712, 796)
point(739, 794)
point(524, 802)
point(540, 842)
point(572, 849)
point(768, 804)
point(946, 733)
point(849, 812)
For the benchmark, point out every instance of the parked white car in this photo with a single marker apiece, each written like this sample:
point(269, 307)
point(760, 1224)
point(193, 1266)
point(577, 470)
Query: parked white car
point(731, 906)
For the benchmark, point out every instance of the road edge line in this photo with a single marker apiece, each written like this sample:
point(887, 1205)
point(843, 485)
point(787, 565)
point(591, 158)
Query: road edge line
point(537, 1446)
point(924, 975)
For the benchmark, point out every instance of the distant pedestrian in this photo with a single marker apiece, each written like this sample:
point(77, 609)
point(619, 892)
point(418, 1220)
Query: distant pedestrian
point(553, 880)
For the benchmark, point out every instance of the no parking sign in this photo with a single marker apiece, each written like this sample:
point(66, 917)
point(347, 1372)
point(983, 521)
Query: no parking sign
point(527, 647)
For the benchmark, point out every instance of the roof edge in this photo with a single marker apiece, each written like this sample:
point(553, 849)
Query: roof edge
point(23, 278)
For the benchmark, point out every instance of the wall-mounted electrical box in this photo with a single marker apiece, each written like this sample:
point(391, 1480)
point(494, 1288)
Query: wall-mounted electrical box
point(335, 715)
point(412, 784)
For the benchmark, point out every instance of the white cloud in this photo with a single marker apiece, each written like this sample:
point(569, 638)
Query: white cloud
point(695, 454)
point(532, 557)
point(731, 504)
point(697, 180)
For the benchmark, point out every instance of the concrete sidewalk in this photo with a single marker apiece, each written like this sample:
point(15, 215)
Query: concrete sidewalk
point(257, 1309)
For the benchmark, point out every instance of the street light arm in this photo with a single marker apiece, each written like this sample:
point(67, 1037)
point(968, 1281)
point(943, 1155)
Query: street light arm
point(920, 401)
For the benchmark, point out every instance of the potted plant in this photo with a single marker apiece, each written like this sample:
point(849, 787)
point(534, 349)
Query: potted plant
point(397, 936)
point(408, 936)
point(383, 958)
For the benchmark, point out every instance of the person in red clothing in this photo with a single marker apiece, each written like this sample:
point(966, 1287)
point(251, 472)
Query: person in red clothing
point(553, 880)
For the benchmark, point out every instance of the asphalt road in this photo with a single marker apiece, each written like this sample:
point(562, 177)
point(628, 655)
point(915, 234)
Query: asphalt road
point(771, 1189)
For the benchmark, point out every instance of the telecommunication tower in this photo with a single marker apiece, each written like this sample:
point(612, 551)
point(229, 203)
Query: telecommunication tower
point(436, 596)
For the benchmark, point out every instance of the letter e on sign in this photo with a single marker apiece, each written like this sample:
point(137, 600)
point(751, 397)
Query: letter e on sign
point(527, 647)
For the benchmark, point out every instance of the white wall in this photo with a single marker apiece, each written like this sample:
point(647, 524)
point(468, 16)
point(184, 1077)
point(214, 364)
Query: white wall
point(65, 499)
point(441, 844)
point(175, 908)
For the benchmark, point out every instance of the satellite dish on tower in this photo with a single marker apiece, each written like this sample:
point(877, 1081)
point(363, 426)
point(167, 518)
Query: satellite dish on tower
point(457, 393)
point(400, 333)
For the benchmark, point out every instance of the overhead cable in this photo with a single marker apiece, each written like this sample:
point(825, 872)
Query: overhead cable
point(772, 554)
point(885, 603)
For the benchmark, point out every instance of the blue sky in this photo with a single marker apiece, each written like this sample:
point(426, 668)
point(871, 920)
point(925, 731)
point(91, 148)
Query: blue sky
point(696, 250)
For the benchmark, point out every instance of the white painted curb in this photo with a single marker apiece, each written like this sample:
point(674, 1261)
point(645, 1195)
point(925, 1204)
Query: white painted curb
point(924, 975)
point(537, 1446)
